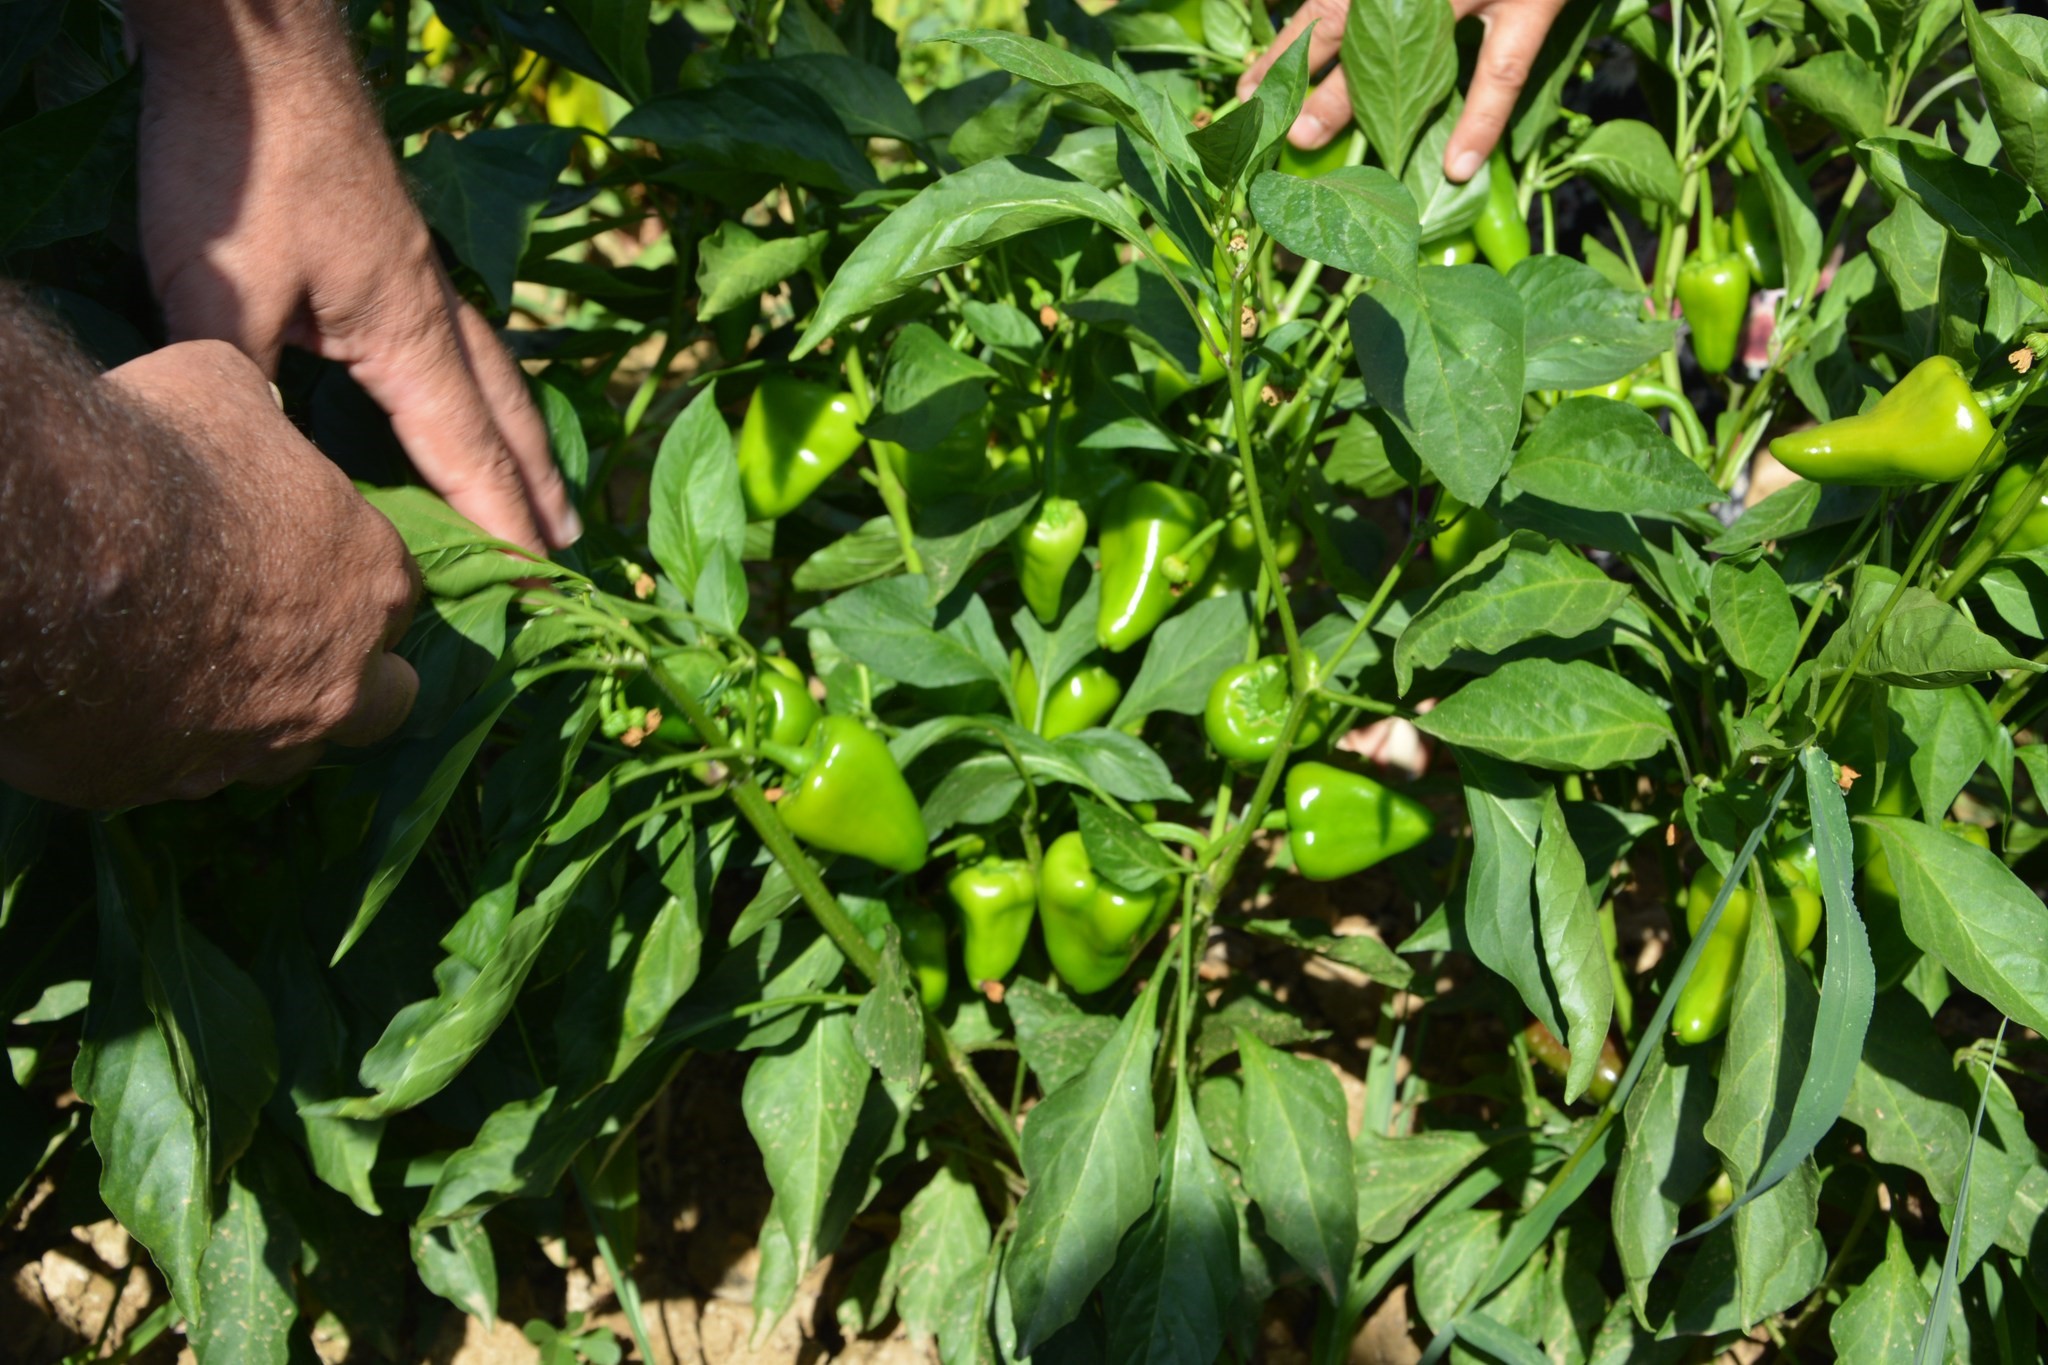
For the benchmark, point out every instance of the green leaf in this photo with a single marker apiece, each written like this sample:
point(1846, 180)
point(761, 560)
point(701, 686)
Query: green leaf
point(1358, 219)
point(1183, 659)
point(482, 191)
point(870, 552)
point(1753, 616)
point(2016, 92)
point(1792, 208)
point(928, 390)
point(248, 1302)
point(47, 164)
point(1085, 81)
point(1399, 62)
point(735, 267)
point(455, 1261)
point(802, 1105)
point(1966, 908)
point(1498, 1340)
point(1177, 1274)
point(1985, 207)
point(1398, 1177)
point(1951, 732)
point(955, 220)
point(1630, 159)
point(1925, 642)
point(1297, 1160)
point(759, 122)
point(1119, 848)
point(154, 1172)
point(1938, 280)
point(1531, 587)
point(868, 99)
point(1441, 351)
point(1603, 456)
point(887, 625)
point(1563, 716)
point(1498, 909)
point(1882, 1318)
point(1055, 1036)
point(1841, 88)
point(1665, 1161)
point(1574, 954)
point(1090, 1160)
point(953, 534)
point(1442, 205)
point(1579, 331)
point(889, 1027)
point(944, 1236)
point(694, 508)
point(1361, 951)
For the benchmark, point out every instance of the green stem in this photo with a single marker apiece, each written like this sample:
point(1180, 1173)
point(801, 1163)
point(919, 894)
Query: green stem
point(1249, 468)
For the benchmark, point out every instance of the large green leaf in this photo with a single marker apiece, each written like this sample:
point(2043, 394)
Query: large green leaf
point(1603, 456)
point(1517, 589)
point(1578, 330)
point(1358, 219)
point(1985, 207)
point(1964, 907)
point(1563, 716)
point(1574, 954)
point(944, 1235)
point(1399, 62)
point(1664, 1163)
point(1090, 1160)
point(757, 121)
point(1882, 1318)
point(248, 1301)
point(1297, 1160)
point(1177, 1273)
point(1441, 351)
point(481, 192)
point(955, 220)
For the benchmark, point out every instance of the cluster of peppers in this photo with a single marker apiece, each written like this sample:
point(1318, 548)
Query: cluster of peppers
point(1792, 879)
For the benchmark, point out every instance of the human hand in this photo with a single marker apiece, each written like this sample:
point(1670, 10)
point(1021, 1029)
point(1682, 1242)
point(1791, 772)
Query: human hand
point(272, 214)
point(244, 618)
point(1514, 32)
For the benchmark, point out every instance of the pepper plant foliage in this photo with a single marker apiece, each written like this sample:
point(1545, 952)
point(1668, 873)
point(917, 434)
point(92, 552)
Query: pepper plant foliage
point(1100, 471)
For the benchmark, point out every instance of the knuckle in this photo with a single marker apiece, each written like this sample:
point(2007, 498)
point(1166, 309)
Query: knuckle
point(1508, 68)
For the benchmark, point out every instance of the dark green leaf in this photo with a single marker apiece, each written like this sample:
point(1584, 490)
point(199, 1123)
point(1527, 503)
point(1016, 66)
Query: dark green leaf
point(1579, 331)
point(887, 625)
point(759, 122)
point(802, 1105)
point(1362, 951)
point(248, 1301)
point(1297, 1160)
point(1358, 219)
point(1604, 456)
point(735, 267)
point(1056, 1038)
point(1531, 587)
point(481, 192)
point(1562, 716)
point(1119, 848)
point(1631, 159)
point(1399, 62)
point(1183, 659)
point(1753, 616)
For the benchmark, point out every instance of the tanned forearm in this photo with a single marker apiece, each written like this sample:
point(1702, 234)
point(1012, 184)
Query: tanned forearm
point(103, 514)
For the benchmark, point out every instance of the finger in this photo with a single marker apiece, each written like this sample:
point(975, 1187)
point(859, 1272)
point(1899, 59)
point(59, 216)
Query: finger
point(417, 370)
point(1326, 15)
point(519, 423)
point(1323, 114)
point(1514, 33)
point(389, 688)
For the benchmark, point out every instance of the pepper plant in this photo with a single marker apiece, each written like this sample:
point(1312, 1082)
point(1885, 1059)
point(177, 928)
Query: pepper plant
point(1025, 494)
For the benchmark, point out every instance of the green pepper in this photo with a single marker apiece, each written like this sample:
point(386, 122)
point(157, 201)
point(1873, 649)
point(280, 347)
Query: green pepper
point(1093, 927)
point(1702, 1009)
point(1928, 429)
point(1167, 381)
point(923, 932)
point(1557, 1059)
point(794, 435)
point(1237, 563)
point(1142, 529)
point(848, 796)
point(1502, 230)
point(1713, 289)
point(1341, 822)
point(784, 710)
point(1754, 235)
point(1083, 699)
point(2032, 532)
point(1331, 156)
point(997, 898)
point(1248, 707)
point(1458, 248)
point(1467, 531)
point(1046, 549)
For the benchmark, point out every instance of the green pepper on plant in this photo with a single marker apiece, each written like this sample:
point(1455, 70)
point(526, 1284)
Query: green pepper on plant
point(1046, 548)
point(997, 899)
point(1248, 707)
point(1929, 428)
point(923, 932)
point(1237, 562)
point(1093, 927)
point(2032, 532)
point(795, 434)
point(1702, 1009)
point(1340, 822)
point(1082, 700)
point(1456, 248)
point(1754, 234)
point(848, 796)
point(784, 710)
point(1142, 529)
point(1713, 290)
point(1501, 230)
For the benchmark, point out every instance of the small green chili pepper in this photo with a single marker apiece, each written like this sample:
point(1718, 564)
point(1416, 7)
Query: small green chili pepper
point(923, 933)
point(1046, 549)
point(1083, 699)
point(1928, 429)
point(1754, 234)
point(794, 436)
point(1341, 822)
point(1501, 230)
point(850, 797)
point(997, 898)
point(1713, 290)
point(784, 709)
point(1247, 710)
point(1093, 927)
point(1458, 248)
point(1142, 530)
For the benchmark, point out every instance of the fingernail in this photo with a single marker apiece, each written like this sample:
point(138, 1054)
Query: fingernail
point(1308, 132)
point(277, 397)
point(572, 528)
point(1465, 165)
